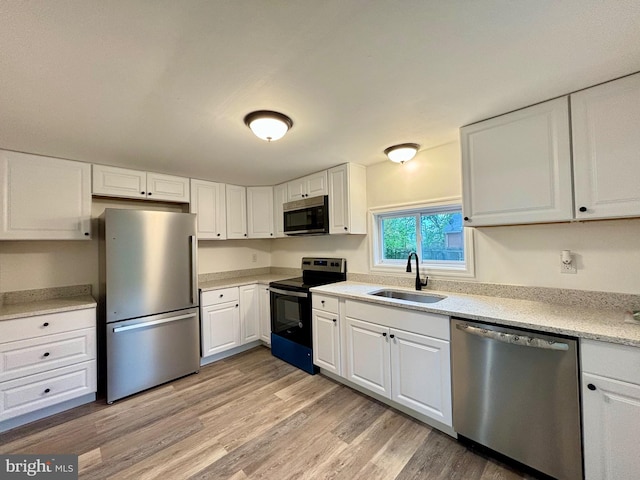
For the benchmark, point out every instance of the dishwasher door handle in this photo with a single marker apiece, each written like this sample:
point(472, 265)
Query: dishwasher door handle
point(512, 338)
point(136, 326)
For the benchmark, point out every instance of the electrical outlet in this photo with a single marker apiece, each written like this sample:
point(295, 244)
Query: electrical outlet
point(568, 267)
point(254, 258)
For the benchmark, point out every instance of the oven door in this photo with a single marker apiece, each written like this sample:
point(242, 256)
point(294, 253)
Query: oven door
point(291, 315)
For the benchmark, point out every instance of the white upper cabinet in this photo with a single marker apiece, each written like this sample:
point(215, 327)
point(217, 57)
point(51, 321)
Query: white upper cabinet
point(280, 197)
point(606, 149)
point(208, 202)
point(126, 183)
point(309, 186)
point(236, 211)
point(44, 198)
point(516, 168)
point(260, 212)
point(347, 199)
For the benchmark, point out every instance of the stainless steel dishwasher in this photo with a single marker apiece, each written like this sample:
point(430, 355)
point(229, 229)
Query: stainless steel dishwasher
point(517, 393)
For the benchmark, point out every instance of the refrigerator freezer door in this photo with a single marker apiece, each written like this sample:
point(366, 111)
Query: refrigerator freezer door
point(149, 263)
point(146, 352)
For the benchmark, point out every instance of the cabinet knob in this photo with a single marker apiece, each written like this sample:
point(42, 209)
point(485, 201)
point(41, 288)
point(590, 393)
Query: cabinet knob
point(346, 228)
point(245, 234)
point(218, 235)
point(141, 193)
point(466, 219)
point(47, 390)
point(45, 324)
point(583, 209)
point(149, 193)
point(335, 320)
point(591, 386)
point(86, 234)
point(384, 334)
point(271, 234)
point(45, 354)
point(322, 302)
point(221, 295)
point(392, 336)
point(237, 305)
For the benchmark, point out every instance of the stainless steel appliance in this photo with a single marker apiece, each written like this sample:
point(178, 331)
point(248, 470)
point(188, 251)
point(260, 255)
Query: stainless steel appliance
point(517, 393)
point(291, 334)
point(148, 299)
point(309, 216)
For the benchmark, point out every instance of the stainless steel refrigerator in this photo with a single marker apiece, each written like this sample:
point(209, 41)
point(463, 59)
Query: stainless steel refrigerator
point(148, 299)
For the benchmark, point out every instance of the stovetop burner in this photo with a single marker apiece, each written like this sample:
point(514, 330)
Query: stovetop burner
point(315, 272)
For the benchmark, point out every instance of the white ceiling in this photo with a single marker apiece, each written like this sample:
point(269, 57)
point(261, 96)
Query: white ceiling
point(163, 85)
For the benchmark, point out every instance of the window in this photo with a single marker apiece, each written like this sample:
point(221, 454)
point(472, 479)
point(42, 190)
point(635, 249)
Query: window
point(434, 231)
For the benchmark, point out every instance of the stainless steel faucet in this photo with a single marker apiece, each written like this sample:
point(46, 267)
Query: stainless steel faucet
point(419, 283)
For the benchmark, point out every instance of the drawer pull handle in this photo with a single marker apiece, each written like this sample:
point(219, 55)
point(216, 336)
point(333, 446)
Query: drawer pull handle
point(45, 324)
point(47, 390)
point(45, 354)
point(591, 386)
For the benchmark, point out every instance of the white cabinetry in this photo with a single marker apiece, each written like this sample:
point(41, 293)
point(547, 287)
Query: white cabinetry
point(208, 202)
point(516, 168)
point(220, 320)
point(347, 199)
point(46, 360)
point(265, 313)
point(610, 410)
point(280, 197)
point(249, 314)
point(326, 333)
point(260, 212)
point(44, 198)
point(401, 355)
point(605, 122)
point(309, 186)
point(236, 211)
point(126, 183)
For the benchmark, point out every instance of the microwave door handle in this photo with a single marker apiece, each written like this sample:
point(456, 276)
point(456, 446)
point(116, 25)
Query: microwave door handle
point(289, 293)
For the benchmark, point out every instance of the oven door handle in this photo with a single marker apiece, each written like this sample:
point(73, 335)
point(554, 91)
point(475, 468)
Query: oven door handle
point(289, 293)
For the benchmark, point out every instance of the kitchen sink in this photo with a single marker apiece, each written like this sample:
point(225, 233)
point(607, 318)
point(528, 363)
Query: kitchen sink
point(409, 296)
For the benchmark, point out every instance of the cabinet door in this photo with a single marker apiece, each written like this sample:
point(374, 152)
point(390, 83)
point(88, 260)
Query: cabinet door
point(220, 328)
point(296, 189)
point(316, 184)
point(516, 168)
point(249, 314)
point(368, 356)
point(347, 199)
point(280, 197)
point(605, 124)
point(611, 422)
point(208, 202)
point(167, 188)
point(260, 212)
point(119, 182)
point(421, 374)
point(236, 212)
point(326, 341)
point(265, 314)
point(44, 198)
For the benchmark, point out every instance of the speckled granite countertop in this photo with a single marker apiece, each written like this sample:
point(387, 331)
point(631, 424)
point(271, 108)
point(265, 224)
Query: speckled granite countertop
point(42, 307)
point(598, 324)
point(240, 281)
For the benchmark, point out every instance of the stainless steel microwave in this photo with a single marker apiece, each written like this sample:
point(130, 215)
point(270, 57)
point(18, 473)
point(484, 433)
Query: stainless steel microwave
point(309, 216)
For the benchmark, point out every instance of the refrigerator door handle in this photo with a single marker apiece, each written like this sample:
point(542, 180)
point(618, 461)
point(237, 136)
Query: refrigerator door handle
point(514, 339)
point(194, 269)
point(154, 322)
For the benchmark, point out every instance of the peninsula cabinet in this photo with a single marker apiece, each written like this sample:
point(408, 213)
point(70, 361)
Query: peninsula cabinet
point(208, 202)
point(126, 183)
point(610, 410)
point(44, 198)
point(260, 212)
point(401, 355)
point(236, 212)
point(347, 199)
point(516, 168)
point(605, 122)
point(309, 186)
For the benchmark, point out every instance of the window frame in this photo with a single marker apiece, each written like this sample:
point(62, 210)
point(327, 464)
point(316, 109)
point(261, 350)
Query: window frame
point(435, 268)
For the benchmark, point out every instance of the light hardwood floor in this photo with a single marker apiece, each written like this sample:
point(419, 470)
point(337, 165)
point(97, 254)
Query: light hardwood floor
point(251, 416)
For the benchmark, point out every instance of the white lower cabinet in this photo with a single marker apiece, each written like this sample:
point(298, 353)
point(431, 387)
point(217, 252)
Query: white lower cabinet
point(326, 341)
point(368, 356)
point(249, 314)
point(265, 313)
point(610, 410)
point(220, 321)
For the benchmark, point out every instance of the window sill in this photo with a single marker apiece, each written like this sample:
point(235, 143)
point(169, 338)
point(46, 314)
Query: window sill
point(436, 272)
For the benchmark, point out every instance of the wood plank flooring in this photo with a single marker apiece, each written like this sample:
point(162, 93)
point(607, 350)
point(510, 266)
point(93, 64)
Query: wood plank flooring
point(251, 416)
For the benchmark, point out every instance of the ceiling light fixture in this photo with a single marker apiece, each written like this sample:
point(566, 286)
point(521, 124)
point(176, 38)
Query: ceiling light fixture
point(268, 125)
point(402, 153)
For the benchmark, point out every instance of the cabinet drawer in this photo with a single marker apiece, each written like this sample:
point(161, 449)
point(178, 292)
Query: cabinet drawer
point(620, 362)
point(40, 325)
point(224, 295)
point(34, 392)
point(325, 303)
point(35, 355)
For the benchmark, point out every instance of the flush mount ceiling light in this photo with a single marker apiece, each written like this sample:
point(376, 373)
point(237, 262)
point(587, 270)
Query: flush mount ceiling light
point(402, 153)
point(268, 125)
